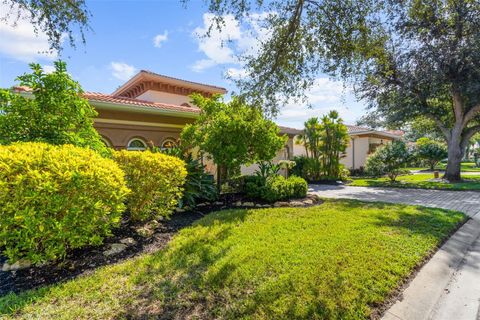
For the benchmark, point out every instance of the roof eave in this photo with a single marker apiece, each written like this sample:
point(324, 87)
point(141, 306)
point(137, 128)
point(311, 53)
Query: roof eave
point(102, 105)
point(380, 133)
point(146, 74)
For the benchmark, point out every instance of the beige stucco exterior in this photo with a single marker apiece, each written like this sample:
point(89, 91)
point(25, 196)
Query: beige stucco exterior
point(359, 147)
point(165, 97)
point(120, 127)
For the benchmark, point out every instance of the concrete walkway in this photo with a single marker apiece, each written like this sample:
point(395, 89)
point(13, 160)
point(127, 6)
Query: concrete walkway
point(448, 286)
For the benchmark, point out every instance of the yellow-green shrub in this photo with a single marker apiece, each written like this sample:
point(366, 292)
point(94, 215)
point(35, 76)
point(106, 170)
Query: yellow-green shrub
point(156, 181)
point(54, 198)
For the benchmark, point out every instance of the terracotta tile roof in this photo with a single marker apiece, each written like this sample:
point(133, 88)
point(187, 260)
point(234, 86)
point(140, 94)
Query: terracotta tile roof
point(173, 78)
point(22, 89)
point(288, 130)
point(357, 129)
point(101, 97)
point(399, 133)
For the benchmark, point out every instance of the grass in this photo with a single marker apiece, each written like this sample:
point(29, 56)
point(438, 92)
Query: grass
point(419, 181)
point(465, 167)
point(338, 260)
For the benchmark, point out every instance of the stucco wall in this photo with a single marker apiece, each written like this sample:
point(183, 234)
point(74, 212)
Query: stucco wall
point(115, 127)
point(360, 156)
point(120, 135)
point(164, 97)
point(362, 144)
point(298, 149)
point(283, 154)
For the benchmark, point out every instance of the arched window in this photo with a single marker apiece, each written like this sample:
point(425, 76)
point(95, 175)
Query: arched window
point(106, 141)
point(168, 143)
point(136, 144)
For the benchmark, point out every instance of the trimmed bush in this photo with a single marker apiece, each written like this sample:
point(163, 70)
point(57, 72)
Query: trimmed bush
point(299, 185)
point(275, 187)
point(156, 181)
point(389, 160)
point(55, 198)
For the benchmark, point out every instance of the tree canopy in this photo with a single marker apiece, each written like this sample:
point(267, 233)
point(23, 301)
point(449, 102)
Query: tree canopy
point(232, 134)
point(407, 59)
point(55, 112)
point(56, 18)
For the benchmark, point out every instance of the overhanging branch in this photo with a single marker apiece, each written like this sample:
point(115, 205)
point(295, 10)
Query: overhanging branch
point(471, 114)
point(440, 125)
point(468, 133)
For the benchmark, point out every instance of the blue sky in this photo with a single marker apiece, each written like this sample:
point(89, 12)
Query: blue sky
point(161, 36)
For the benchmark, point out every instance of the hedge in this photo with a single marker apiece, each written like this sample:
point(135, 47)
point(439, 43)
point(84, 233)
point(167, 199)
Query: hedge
point(275, 187)
point(55, 198)
point(156, 181)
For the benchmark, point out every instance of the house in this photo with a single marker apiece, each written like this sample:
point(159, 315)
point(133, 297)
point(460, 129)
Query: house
point(148, 110)
point(363, 142)
point(151, 109)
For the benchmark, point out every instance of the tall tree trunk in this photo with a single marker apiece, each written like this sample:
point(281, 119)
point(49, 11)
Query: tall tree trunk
point(455, 156)
point(452, 173)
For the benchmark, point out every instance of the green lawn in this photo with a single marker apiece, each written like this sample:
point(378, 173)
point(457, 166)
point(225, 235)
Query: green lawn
point(470, 182)
point(465, 166)
point(334, 261)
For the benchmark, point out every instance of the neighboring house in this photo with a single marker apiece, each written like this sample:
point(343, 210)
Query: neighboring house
point(363, 141)
point(151, 109)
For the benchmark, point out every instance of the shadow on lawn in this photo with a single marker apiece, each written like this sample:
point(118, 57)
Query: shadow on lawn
point(192, 283)
point(174, 284)
point(186, 280)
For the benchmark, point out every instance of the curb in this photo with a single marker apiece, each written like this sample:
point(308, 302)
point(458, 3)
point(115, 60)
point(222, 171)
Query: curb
point(419, 300)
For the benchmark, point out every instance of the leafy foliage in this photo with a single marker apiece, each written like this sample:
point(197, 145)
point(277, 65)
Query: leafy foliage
point(232, 134)
point(325, 143)
point(56, 198)
point(389, 160)
point(275, 187)
point(430, 151)
point(57, 19)
point(408, 59)
point(267, 169)
point(56, 113)
point(156, 181)
point(199, 185)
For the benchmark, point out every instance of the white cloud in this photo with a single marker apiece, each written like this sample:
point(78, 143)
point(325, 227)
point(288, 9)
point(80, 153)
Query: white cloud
point(122, 70)
point(48, 68)
point(225, 45)
point(325, 95)
point(236, 73)
point(203, 64)
point(159, 39)
point(214, 45)
point(18, 39)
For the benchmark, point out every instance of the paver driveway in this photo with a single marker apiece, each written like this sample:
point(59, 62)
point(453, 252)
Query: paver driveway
point(448, 286)
point(465, 201)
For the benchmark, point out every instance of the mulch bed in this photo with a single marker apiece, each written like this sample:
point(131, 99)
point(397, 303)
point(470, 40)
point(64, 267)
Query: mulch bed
point(86, 260)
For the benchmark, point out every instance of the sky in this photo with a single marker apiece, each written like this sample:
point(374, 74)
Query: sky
point(163, 36)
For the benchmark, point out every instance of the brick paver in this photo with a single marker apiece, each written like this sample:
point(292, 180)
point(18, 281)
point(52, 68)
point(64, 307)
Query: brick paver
point(465, 201)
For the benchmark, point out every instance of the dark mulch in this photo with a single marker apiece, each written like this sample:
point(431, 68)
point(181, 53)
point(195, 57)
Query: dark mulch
point(86, 260)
